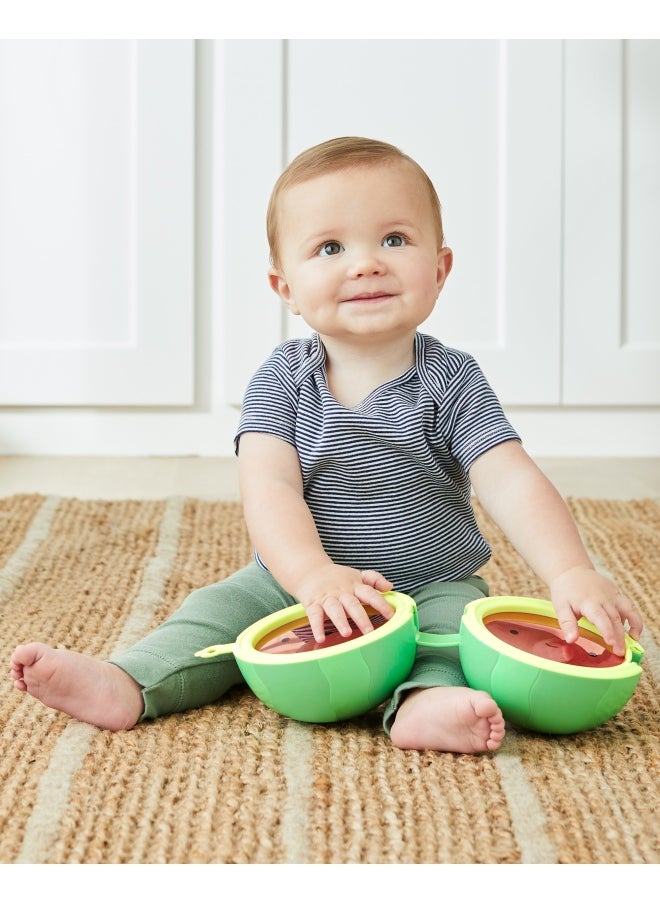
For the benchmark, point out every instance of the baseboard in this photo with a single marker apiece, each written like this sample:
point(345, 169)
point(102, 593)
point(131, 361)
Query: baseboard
point(574, 432)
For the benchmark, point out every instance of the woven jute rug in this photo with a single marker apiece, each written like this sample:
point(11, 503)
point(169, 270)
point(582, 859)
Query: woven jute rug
point(236, 783)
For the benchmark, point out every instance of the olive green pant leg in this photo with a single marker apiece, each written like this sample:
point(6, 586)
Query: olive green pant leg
point(439, 609)
point(164, 664)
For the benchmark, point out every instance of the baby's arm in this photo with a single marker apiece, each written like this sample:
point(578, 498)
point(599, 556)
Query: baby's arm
point(283, 531)
point(537, 521)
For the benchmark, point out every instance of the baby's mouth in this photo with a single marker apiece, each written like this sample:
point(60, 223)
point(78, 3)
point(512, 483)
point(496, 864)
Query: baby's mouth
point(369, 296)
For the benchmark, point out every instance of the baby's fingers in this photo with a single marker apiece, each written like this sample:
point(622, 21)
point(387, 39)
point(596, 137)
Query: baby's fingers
point(316, 617)
point(567, 622)
point(338, 609)
point(354, 608)
point(375, 579)
point(611, 620)
point(634, 619)
point(608, 621)
point(369, 596)
point(605, 617)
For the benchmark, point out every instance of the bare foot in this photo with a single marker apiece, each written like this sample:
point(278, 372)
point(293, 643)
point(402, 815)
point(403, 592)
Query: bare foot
point(452, 719)
point(88, 689)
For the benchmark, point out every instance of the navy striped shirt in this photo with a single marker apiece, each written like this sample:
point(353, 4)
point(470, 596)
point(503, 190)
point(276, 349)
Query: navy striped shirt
point(386, 481)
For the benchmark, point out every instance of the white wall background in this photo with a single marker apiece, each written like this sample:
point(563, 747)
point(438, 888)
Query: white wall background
point(134, 177)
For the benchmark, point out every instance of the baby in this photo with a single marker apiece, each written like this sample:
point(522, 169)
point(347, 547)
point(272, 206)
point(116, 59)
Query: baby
point(358, 449)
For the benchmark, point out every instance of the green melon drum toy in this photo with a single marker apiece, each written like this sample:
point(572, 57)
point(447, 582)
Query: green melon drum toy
point(511, 647)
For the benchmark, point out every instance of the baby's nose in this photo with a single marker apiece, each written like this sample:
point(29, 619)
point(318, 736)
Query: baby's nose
point(365, 264)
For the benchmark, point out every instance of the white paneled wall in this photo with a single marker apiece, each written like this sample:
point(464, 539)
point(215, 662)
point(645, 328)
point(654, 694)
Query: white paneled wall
point(611, 337)
point(484, 120)
point(96, 223)
point(134, 178)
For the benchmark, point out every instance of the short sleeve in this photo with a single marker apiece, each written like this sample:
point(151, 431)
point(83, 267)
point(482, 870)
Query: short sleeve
point(270, 402)
point(469, 419)
point(472, 419)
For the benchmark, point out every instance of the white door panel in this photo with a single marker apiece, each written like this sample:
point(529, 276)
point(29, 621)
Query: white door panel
point(96, 222)
point(484, 120)
point(612, 289)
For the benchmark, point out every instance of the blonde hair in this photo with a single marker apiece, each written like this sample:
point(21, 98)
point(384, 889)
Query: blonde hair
point(332, 156)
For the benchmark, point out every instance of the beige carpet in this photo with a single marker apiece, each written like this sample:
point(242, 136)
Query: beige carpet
point(236, 783)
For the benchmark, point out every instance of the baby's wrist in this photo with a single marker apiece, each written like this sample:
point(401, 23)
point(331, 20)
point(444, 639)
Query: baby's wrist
point(573, 570)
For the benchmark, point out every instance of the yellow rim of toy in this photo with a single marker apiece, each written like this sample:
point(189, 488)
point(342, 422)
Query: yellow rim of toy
point(477, 611)
point(246, 642)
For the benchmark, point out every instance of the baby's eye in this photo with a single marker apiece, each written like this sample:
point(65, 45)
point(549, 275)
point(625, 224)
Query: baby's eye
point(330, 248)
point(394, 241)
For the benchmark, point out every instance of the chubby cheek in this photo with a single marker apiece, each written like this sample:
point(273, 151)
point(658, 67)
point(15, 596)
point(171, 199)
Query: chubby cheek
point(311, 293)
point(418, 270)
point(423, 282)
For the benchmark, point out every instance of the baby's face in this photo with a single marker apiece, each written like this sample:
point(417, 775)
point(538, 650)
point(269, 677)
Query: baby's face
point(359, 253)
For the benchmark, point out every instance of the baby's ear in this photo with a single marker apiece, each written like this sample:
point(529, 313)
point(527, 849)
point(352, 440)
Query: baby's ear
point(279, 285)
point(445, 261)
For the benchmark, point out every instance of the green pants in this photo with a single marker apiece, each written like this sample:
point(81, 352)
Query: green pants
point(173, 679)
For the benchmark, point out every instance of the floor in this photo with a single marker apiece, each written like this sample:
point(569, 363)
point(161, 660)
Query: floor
point(215, 478)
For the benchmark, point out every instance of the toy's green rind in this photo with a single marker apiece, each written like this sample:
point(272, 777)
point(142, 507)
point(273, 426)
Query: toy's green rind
point(339, 682)
point(539, 694)
point(330, 687)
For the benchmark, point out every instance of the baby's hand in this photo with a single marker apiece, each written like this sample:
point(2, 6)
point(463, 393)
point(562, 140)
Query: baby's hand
point(582, 591)
point(338, 592)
